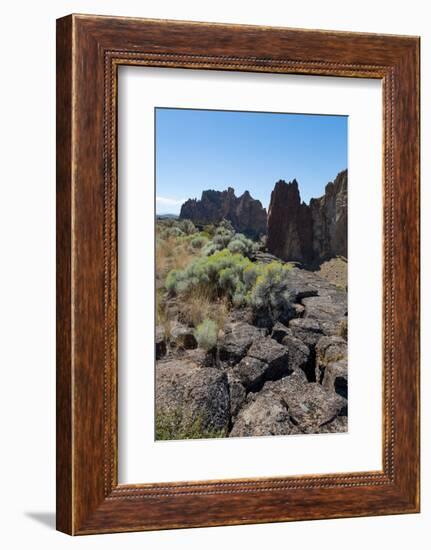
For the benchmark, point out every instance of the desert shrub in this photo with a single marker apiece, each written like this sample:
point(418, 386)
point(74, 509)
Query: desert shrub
point(235, 279)
point(237, 246)
point(209, 249)
point(177, 425)
point(226, 224)
point(173, 280)
point(210, 230)
point(237, 243)
point(269, 296)
point(251, 273)
point(175, 228)
point(173, 253)
point(174, 231)
point(187, 227)
point(174, 249)
point(198, 241)
point(166, 246)
point(222, 238)
point(219, 312)
point(240, 296)
point(216, 276)
point(166, 222)
point(197, 306)
point(206, 334)
point(241, 245)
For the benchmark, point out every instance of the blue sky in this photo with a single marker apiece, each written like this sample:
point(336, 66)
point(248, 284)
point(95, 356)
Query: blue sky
point(201, 149)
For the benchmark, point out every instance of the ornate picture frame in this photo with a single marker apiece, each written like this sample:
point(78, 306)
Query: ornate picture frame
point(89, 51)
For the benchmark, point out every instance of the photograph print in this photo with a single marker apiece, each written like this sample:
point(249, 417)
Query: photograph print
point(250, 274)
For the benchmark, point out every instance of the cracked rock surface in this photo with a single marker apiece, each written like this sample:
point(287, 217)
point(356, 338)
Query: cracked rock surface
point(285, 379)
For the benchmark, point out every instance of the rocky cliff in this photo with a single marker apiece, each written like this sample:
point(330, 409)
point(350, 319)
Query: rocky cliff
point(329, 220)
point(308, 233)
point(246, 214)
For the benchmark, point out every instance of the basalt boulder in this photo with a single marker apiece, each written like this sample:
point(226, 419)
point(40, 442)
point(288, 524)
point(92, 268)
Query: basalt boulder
point(237, 340)
point(335, 378)
point(160, 342)
point(191, 395)
point(266, 412)
point(291, 406)
point(183, 337)
point(329, 350)
point(266, 360)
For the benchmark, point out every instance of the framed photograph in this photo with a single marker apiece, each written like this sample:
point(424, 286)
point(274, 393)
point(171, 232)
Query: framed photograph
point(237, 274)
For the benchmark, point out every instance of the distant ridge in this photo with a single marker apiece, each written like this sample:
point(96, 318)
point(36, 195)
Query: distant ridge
point(246, 214)
point(167, 216)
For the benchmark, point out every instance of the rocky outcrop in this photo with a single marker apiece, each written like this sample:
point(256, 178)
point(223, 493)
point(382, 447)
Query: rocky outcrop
point(237, 340)
point(309, 394)
point(237, 393)
point(290, 378)
point(192, 395)
point(266, 360)
point(246, 214)
point(266, 413)
point(329, 220)
point(183, 337)
point(289, 406)
point(335, 378)
point(308, 233)
point(290, 234)
point(160, 342)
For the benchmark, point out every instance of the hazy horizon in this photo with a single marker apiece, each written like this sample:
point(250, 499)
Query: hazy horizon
point(197, 150)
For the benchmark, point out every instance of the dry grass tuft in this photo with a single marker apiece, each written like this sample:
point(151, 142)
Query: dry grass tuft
point(198, 306)
point(163, 317)
point(172, 253)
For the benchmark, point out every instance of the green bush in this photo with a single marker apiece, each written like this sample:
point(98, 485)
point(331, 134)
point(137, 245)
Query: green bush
point(269, 296)
point(166, 222)
point(209, 230)
point(172, 231)
point(240, 244)
point(177, 425)
point(237, 247)
point(174, 282)
point(225, 274)
point(206, 334)
point(240, 296)
point(215, 276)
point(226, 224)
point(187, 227)
point(237, 243)
point(199, 241)
point(222, 238)
point(209, 249)
point(175, 228)
point(251, 273)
